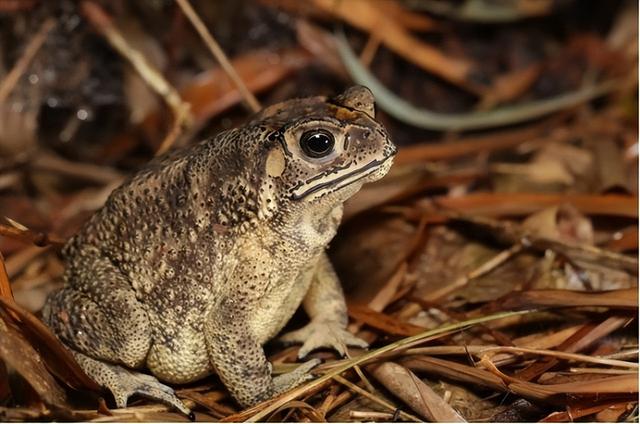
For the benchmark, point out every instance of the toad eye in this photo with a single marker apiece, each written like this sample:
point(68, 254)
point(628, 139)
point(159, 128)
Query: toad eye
point(317, 143)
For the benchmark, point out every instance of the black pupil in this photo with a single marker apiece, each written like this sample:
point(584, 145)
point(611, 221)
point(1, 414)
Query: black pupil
point(317, 143)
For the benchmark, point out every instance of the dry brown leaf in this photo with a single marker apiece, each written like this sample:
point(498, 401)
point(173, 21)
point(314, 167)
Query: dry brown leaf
point(555, 393)
point(18, 128)
point(389, 290)
point(624, 240)
point(363, 266)
point(403, 183)
point(510, 86)
point(5, 285)
point(562, 223)
point(21, 356)
point(501, 204)
point(212, 92)
point(209, 401)
point(626, 298)
point(582, 409)
point(555, 167)
point(475, 144)
point(454, 371)
point(609, 164)
point(398, 180)
point(613, 413)
point(368, 16)
point(406, 18)
point(57, 358)
point(581, 339)
point(383, 322)
point(414, 392)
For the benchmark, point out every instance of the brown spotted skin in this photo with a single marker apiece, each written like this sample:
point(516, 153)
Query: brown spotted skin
point(204, 255)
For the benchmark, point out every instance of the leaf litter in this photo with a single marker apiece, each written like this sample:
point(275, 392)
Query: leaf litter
point(493, 271)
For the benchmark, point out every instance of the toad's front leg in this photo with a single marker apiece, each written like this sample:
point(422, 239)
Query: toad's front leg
point(325, 305)
point(239, 359)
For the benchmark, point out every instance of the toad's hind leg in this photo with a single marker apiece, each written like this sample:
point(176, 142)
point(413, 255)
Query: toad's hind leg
point(123, 383)
point(109, 327)
point(98, 317)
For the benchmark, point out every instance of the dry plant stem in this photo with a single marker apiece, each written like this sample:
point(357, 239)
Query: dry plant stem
point(622, 299)
point(138, 413)
point(576, 370)
point(482, 350)
point(28, 236)
point(376, 399)
point(571, 415)
point(5, 285)
point(51, 162)
point(371, 416)
point(483, 269)
point(341, 399)
point(363, 378)
point(39, 413)
point(633, 353)
point(179, 120)
point(496, 380)
point(603, 329)
point(19, 68)
point(370, 49)
point(552, 129)
point(581, 339)
point(102, 22)
point(219, 54)
point(594, 253)
point(414, 392)
point(401, 344)
point(500, 204)
point(382, 298)
point(624, 383)
point(53, 352)
point(518, 235)
point(325, 406)
point(369, 16)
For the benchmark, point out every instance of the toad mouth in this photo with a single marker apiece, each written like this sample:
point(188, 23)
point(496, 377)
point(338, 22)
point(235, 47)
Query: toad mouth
point(343, 180)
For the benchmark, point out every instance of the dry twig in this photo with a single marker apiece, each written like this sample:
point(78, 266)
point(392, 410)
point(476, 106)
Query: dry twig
point(19, 68)
point(24, 234)
point(102, 22)
point(264, 410)
point(375, 399)
point(219, 54)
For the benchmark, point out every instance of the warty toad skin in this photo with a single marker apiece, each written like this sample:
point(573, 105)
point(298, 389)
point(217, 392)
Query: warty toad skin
point(205, 254)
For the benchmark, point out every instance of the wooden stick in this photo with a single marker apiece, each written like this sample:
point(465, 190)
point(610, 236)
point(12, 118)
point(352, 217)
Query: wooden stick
point(152, 76)
point(11, 79)
point(219, 54)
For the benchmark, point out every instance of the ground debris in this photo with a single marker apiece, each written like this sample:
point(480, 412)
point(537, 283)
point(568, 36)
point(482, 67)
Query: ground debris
point(493, 271)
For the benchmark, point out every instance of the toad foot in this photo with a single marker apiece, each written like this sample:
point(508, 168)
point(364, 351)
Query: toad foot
point(319, 334)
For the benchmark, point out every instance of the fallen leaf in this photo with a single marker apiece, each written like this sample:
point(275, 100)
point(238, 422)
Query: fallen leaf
point(414, 392)
point(212, 92)
point(368, 16)
point(383, 322)
point(57, 357)
point(22, 357)
point(502, 204)
point(563, 223)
